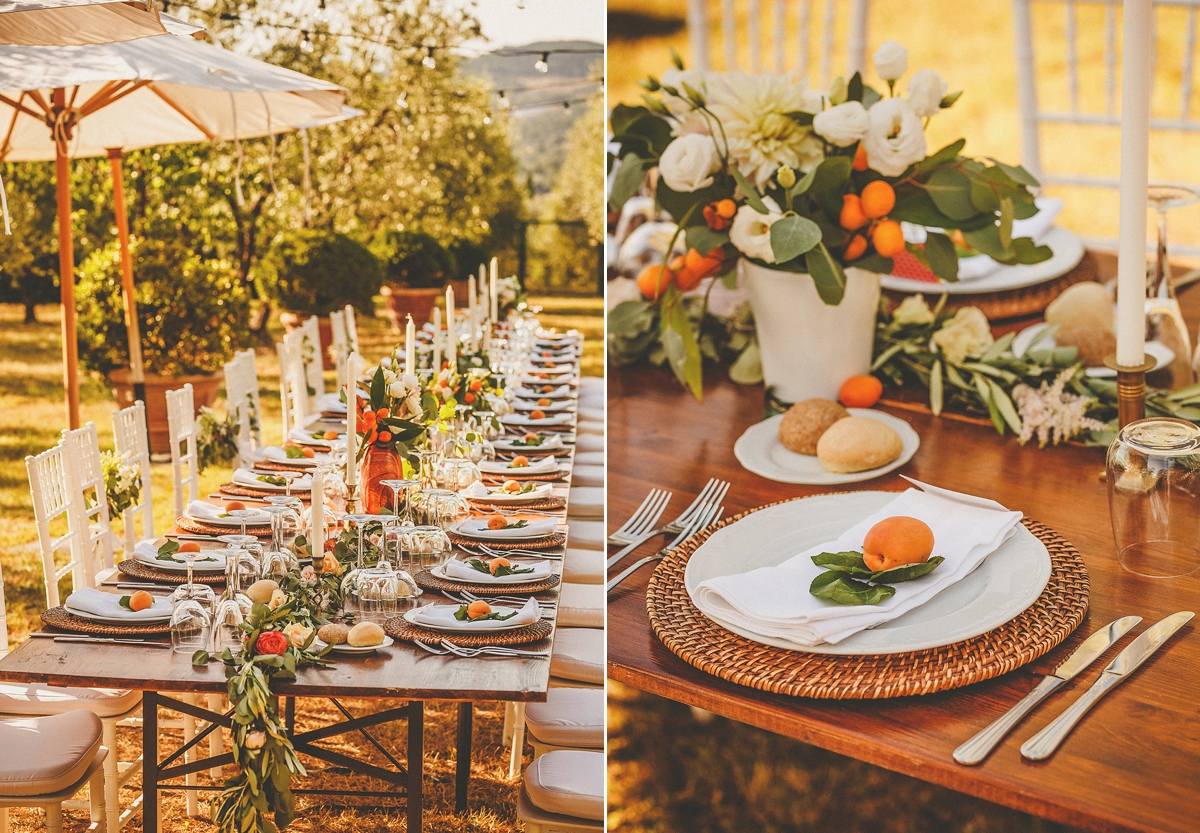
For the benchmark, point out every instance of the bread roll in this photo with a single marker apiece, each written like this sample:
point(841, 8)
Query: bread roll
point(1082, 303)
point(858, 444)
point(1094, 343)
point(364, 635)
point(260, 592)
point(335, 633)
point(804, 423)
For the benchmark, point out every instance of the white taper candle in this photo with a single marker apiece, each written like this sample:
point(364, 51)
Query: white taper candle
point(352, 419)
point(316, 531)
point(410, 347)
point(451, 351)
point(1135, 162)
point(494, 298)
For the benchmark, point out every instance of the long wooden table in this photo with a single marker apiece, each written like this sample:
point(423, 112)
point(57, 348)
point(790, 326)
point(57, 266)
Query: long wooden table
point(1132, 764)
point(401, 672)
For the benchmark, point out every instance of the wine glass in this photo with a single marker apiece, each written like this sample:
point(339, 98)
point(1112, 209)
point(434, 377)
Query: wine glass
point(242, 515)
point(396, 485)
point(278, 561)
point(190, 626)
point(251, 548)
point(455, 474)
point(351, 579)
point(428, 546)
point(289, 521)
point(201, 593)
point(1164, 318)
point(233, 606)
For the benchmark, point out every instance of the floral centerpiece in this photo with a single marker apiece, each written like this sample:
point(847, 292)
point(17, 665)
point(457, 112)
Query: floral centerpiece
point(804, 192)
point(510, 295)
point(471, 386)
point(387, 426)
point(122, 483)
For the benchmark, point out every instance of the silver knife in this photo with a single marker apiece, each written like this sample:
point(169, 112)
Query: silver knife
point(95, 639)
point(979, 747)
point(1042, 745)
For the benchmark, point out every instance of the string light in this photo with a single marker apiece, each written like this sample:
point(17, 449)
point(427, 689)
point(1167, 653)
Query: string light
point(487, 119)
point(428, 62)
point(306, 45)
point(504, 102)
point(542, 65)
point(320, 17)
point(402, 101)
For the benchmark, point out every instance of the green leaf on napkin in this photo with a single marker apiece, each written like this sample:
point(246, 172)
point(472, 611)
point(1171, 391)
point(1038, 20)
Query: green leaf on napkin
point(124, 602)
point(483, 567)
point(839, 583)
point(272, 479)
point(167, 550)
point(839, 588)
point(907, 572)
point(293, 452)
point(461, 615)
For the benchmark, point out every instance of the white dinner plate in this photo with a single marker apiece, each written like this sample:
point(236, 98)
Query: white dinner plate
point(760, 451)
point(440, 572)
point(1156, 349)
point(1008, 581)
point(181, 567)
point(352, 649)
point(109, 620)
point(1065, 244)
point(465, 628)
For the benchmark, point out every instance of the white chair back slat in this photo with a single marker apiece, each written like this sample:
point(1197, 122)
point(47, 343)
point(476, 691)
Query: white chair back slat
point(804, 52)
point(754, 32)
point(301, 392)
point(1189, 60)
point(779, 28)
point(310, 355)
point(827, 42)
point(1110, 58)
point(351, 330)
point(83, 455)
point(185, 469)
point(1072, 57)
point(53, 492)
point(286, 407)
point(728, 33)
point(242, 398)
point(697, 21)
point(338, 347)
point(133, 446)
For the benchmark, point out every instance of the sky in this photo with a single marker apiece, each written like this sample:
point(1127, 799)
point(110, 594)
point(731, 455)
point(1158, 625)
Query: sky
point(506, 25)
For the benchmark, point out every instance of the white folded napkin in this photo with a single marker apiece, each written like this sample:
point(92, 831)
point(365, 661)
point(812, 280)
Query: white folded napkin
point(478, 528)
point(550, 419)
point(535, 392)
point(279, 455)
point(478, 490)
point(442, 616)
point(550, 443)
point(331, 403)
point(544, 465)
point(549, 366)
point(98, 603)
point(245, 477)
point(305, 436)
point(146, 551)
point(529, 378)
point(775, 602)
point(462, 570)
point(532, 405)
point(198, 510)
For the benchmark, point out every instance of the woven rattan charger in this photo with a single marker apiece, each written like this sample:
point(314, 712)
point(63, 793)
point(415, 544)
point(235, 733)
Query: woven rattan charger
point(552, 502)
point(546, 542)
point(59, 617)
point(701, 642)
point(274, 465)
point(144, 572)
point(186, 524)
point(548, 477)
point(248, 491)
point(399, 628)
point(428, 581)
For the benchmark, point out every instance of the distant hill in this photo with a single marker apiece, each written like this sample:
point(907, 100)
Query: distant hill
point(542, 131)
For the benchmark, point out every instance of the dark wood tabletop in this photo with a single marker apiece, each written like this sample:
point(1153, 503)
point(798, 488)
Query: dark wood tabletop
point(1132, 764)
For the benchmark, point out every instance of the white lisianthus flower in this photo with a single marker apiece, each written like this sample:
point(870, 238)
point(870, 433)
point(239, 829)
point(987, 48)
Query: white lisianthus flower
point(751, 231)
point(278, 597)
point(297, 634)
point(689, 162)
point(967, 335)
point(913, 310)
point(891, 60)
point(925, 91)
point(844, 124)
point(396, 389)
point(688, 120)
point(895, 138)
point(762, 137)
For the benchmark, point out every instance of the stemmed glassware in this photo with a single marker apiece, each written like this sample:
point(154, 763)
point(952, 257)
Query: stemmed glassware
point(190, 626)
point(455, 474)
point(279, 560)
point(242, 515)
point(234, 606)
point(201, 593)
point(1164, 318)
point(350, 581)
point(396, 485)
point(427, 546)
point(444, 508)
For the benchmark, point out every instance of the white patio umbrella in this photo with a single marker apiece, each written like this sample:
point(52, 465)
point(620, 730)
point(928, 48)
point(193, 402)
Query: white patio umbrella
point(75, 22)
point(78, 101)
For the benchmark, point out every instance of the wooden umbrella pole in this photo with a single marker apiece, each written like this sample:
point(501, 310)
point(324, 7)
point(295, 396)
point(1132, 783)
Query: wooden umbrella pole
point(136, 370)
point(66, 271)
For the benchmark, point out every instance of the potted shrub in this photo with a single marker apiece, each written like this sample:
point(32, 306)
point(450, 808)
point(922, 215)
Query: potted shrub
point(416, 270)
point(193, 312)
point(314, 272)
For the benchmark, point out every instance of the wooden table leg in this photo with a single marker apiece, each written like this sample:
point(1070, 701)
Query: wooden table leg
point(149, 762)
point(416, 763)
point(462, 761)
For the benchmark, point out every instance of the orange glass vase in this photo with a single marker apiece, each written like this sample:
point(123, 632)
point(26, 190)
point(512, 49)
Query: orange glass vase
point(379, 463)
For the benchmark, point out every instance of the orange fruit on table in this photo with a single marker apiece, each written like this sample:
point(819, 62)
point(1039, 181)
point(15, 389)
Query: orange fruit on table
point(189, 546)
point(497, 563)
point(855, 248)
point(888, 238)
point(331, 434)
point(852, 216)
point(547, 388)
point(860, 391)
point(307, 452)
point(234, 504)
point(860, 158)
point(496, 522)
point(878, 198)
point(543, 402)
point(530, 436)
point(538, 415)
point(520, 461)
point(654, 280)
point(511, 486)
point(897, 540)
point(141, 600)
point(478, 608)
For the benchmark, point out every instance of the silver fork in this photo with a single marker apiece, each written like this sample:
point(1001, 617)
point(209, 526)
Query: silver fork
point(523, 553)
point(643, 519)
point(492, 651)
point(471, 597)
point(695, 525)
point(712, 494)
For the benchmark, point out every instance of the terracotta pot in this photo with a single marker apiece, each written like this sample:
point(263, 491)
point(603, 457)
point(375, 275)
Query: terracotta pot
point(204, 394)
point(403, 301)
point(379, 463)
point(293, 321)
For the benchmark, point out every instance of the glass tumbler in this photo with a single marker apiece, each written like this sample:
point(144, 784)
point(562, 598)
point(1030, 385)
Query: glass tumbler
point(1154, 497)
point(191, 623)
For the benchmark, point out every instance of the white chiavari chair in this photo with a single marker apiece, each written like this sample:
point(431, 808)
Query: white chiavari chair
point(53, 491)
point(133, 446)
point(83, 455)
point(339, 347)
point(703, 16)
point(1174, 33)
point(185, 469)
point(310, 356)
point(242, 397)
point(351, 330)
point(294, 381)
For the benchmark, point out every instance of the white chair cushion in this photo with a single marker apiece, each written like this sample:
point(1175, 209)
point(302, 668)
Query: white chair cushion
point(587, 476)
point(583, 566)
point(591, 383)
point(581, 606)
point(586, 502)
point(589, 442)
point(591, 413)
point(589, 458)
point(592, 400)
point(37, 699)
point(572, 717)
point(587, 426)
point(568, 782)
point(44, 755)
point(578, 654)
point(588, 535)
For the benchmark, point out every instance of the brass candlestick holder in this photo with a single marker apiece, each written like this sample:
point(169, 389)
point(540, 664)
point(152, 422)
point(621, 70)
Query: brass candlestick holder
point(1131, 388)
point(352, 498)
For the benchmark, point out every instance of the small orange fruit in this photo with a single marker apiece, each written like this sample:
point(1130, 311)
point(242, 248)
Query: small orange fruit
point(496, 563)
point(888, 238)
point(331, 434)
point(852, 216)
point(496, 522)
point(511, 486)
point(895, 541)
point(725, 208)
point(543, 402)
point(530, 437)
point(878, 198)
point(141, 600)
point(520, 461)
point(547, 388)
point(385, 436)
point(382, 413)
point(468, 397)
point(478, 608)
point(860, 158)
point(860, 391)
point(546, 354)
point(538, 415)
point(855, 247)
point(654, 280)
point(307, 452)
point(189, 546)
point(476, 385)
point(234, 504)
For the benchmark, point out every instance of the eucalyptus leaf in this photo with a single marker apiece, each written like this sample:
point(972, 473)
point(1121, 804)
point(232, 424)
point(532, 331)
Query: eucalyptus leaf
point(935, 388)
point(950, 190)
point(803, 184)
point(827, 274)
point(747, 369)
point(628, 180)
point(792, 236)
point(840, 559)
point(753, 199)
point(943, 260)
point(947, 154)
point(704, 240)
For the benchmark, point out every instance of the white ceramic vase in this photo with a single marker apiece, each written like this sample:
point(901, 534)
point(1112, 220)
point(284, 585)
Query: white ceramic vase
point(808, 347)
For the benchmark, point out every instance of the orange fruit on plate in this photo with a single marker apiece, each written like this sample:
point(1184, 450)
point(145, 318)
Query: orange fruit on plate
point(307, 452)
point(141, 600)
point(520, 461)
point(538, 414)
point(530, 437)
point(888, 238)
point(234, 504)
point(189, 546)
point(852, 216)
point(654, 280)
point(497, 563)
point(543, 402)
point(878, 198)
point(330, 434)
point(511, 486)
point(860, 391)
point(895, 541)
point(478, 608)
point(496, 522)
point(547, 388)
